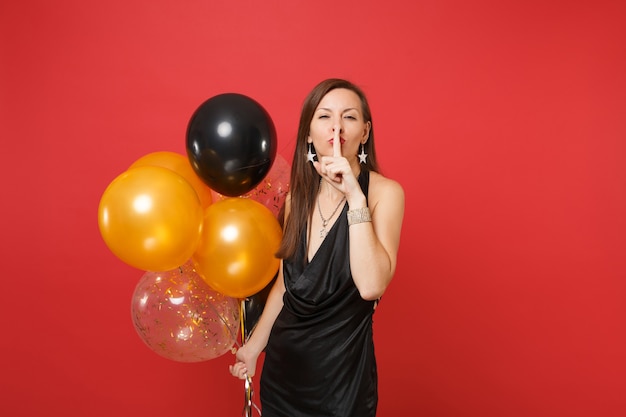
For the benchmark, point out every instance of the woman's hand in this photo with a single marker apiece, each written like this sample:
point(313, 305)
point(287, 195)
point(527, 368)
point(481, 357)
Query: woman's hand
point(336, 169)
point(245, 365)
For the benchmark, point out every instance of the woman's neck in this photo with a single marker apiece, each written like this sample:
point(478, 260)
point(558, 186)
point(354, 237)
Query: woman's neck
point(328, 192)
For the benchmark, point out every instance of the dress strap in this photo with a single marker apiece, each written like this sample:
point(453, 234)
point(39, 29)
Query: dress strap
point(364, 182)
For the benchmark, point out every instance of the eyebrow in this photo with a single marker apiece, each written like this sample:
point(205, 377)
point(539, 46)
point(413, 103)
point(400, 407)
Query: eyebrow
point(346, 110)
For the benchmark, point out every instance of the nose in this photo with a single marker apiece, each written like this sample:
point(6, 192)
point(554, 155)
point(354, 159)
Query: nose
point(337, 127)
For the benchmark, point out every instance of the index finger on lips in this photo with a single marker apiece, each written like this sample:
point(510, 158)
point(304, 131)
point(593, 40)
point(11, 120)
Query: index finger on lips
point(337, 142)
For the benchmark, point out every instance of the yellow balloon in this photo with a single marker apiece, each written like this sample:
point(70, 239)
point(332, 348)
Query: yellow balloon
point(179, 164)
point(235, 255)
point(150, 217)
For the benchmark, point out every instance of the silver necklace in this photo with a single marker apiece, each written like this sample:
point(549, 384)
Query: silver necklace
point(325, 221)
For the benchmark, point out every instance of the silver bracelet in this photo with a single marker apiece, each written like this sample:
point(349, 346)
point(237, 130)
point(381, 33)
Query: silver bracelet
point(359, 215)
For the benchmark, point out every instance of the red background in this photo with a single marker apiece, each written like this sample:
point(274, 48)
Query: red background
point(504, 122)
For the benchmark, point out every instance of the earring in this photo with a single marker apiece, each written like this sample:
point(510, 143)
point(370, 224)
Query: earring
point(310, 155)
point(363, 155)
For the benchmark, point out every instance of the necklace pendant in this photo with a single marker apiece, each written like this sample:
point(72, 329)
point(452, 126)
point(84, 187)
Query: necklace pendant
point(326, 220)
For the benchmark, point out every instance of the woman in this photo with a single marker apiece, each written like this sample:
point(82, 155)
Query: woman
point(339, 249)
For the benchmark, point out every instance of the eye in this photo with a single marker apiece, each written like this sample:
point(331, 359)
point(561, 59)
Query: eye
point(350, 117)
point(323, 116)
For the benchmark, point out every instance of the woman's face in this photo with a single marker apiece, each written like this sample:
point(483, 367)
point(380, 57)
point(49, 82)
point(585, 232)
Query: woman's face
point(339, 109)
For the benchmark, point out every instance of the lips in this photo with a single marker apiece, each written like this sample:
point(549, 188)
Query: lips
point(332, 140)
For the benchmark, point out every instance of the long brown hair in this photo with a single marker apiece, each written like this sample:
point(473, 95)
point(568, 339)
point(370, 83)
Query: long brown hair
point(304, 179)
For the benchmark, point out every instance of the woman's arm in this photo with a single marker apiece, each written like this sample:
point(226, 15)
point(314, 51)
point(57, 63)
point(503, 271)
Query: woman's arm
point(248, 354)
point(374, 245)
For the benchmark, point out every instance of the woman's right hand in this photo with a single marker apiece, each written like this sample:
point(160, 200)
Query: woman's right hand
point(245, 363)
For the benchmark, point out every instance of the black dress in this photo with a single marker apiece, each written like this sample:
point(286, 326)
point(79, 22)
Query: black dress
point(320, 355)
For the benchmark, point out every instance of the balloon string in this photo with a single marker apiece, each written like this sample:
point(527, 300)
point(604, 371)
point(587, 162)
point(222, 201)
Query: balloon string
point(242, 316)
point(248, 405)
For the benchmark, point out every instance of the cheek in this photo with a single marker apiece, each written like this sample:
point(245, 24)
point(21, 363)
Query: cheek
point(357, 133)
point(316, 130)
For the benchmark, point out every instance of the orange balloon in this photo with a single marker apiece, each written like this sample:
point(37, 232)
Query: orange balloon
point(151, 218)
point(180, 165)
point(235, 255)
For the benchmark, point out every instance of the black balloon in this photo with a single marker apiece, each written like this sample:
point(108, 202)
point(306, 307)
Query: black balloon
point(231, 143)
point(252, 308)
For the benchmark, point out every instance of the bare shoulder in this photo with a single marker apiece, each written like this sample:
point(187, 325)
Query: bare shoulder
point(386, 203)
point(385, 190)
